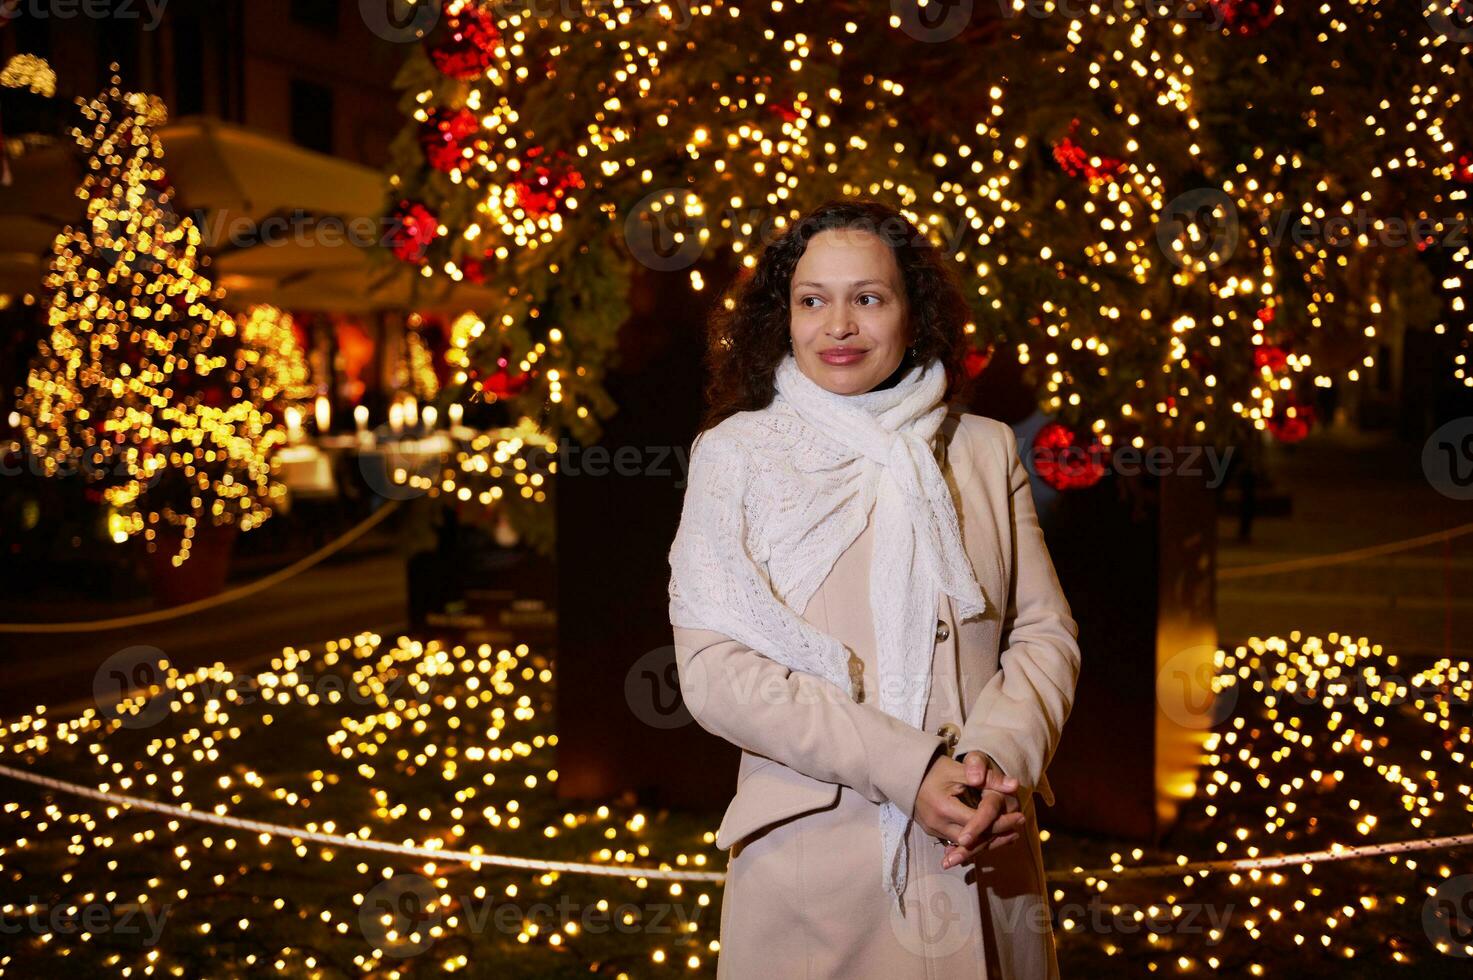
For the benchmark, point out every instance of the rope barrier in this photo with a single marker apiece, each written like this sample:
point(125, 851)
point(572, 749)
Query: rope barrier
point(359, 843)
point(1335, 853)
point(1343, 557)
point(229, 595)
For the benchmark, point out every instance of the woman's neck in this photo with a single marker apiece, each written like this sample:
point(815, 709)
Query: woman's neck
point(895, 375)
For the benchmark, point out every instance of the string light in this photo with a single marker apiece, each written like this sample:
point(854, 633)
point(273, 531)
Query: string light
point(1172, 258)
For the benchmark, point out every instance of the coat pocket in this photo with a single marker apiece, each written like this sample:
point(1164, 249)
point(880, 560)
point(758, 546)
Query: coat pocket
point(768, 794)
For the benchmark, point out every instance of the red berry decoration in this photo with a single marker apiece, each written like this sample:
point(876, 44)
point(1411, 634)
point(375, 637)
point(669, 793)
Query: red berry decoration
point(1294, 424)
point(1076, 161)
point(477, 269)
point(1463, 172)
point(1063, 464)
point(502, 383)
point(1270, 356)
point(443, 138)
point(977, 361)
point(1246, 17)
point(788, 111)
point(412, 227)
point(544, 183)
point(468, 46)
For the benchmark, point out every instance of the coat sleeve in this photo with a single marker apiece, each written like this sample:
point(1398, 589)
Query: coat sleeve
point(1019, 716)
point(802, 721)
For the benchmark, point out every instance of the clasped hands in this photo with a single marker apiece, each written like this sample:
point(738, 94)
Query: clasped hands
point(997, 821)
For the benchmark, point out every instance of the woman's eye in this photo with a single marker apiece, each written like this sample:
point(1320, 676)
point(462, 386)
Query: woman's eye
point(869, 296)
point(805, 299)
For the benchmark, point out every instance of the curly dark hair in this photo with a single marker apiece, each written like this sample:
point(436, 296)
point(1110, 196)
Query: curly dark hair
point(748, 331)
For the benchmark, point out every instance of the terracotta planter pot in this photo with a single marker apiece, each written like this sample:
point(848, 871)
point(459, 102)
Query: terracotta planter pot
point(201, 576)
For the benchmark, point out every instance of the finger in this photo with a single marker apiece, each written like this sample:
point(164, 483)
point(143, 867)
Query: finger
point(981, 771)
point(954, 856)
point(973, 839)
point(977, 769)
point(969, 854)
point(980, 819)
point(955, 813)
point(996, 780)
point(1008, 823)
point(948, 823)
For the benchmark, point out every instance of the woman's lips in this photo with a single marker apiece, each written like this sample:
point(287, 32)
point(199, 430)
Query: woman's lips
point(842, 356)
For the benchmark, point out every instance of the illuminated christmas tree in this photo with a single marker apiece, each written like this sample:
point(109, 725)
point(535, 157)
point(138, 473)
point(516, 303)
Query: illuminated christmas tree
point(271, 348)
point(143, 384)
point(1142, 203)
point(420, 378)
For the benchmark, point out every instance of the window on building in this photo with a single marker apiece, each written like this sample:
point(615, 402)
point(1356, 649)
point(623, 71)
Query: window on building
point(312, 115)
point(32, 33)
point(189, 66)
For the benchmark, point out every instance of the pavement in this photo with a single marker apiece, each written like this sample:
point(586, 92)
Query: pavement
point(1350, 489)
point(360, 590)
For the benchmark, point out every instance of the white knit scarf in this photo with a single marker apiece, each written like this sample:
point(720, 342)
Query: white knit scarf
point(776, 495)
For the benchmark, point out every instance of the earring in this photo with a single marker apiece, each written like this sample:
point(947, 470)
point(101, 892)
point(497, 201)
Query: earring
point(912, 352)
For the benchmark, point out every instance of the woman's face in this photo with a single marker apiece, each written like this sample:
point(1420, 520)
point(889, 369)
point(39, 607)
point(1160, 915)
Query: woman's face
point(848, 311)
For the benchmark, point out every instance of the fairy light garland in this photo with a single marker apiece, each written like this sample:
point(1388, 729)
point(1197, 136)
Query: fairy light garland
point(1332, 742)
point(1098, 247)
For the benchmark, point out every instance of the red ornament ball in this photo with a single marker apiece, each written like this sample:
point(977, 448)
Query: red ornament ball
point(412, 227)
point(469, 43)
point(444, 138)
point(543, 184)
point(1064, 464)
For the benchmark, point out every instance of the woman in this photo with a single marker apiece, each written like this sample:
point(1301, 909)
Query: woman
point(863, 602)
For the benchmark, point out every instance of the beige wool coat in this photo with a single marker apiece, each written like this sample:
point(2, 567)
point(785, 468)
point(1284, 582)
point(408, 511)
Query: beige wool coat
point(804, 896)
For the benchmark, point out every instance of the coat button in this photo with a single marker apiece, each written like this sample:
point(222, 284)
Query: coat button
point(942, 630)
point(951, 733)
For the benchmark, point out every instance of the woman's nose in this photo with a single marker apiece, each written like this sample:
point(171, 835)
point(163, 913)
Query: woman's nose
point(841, 326)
